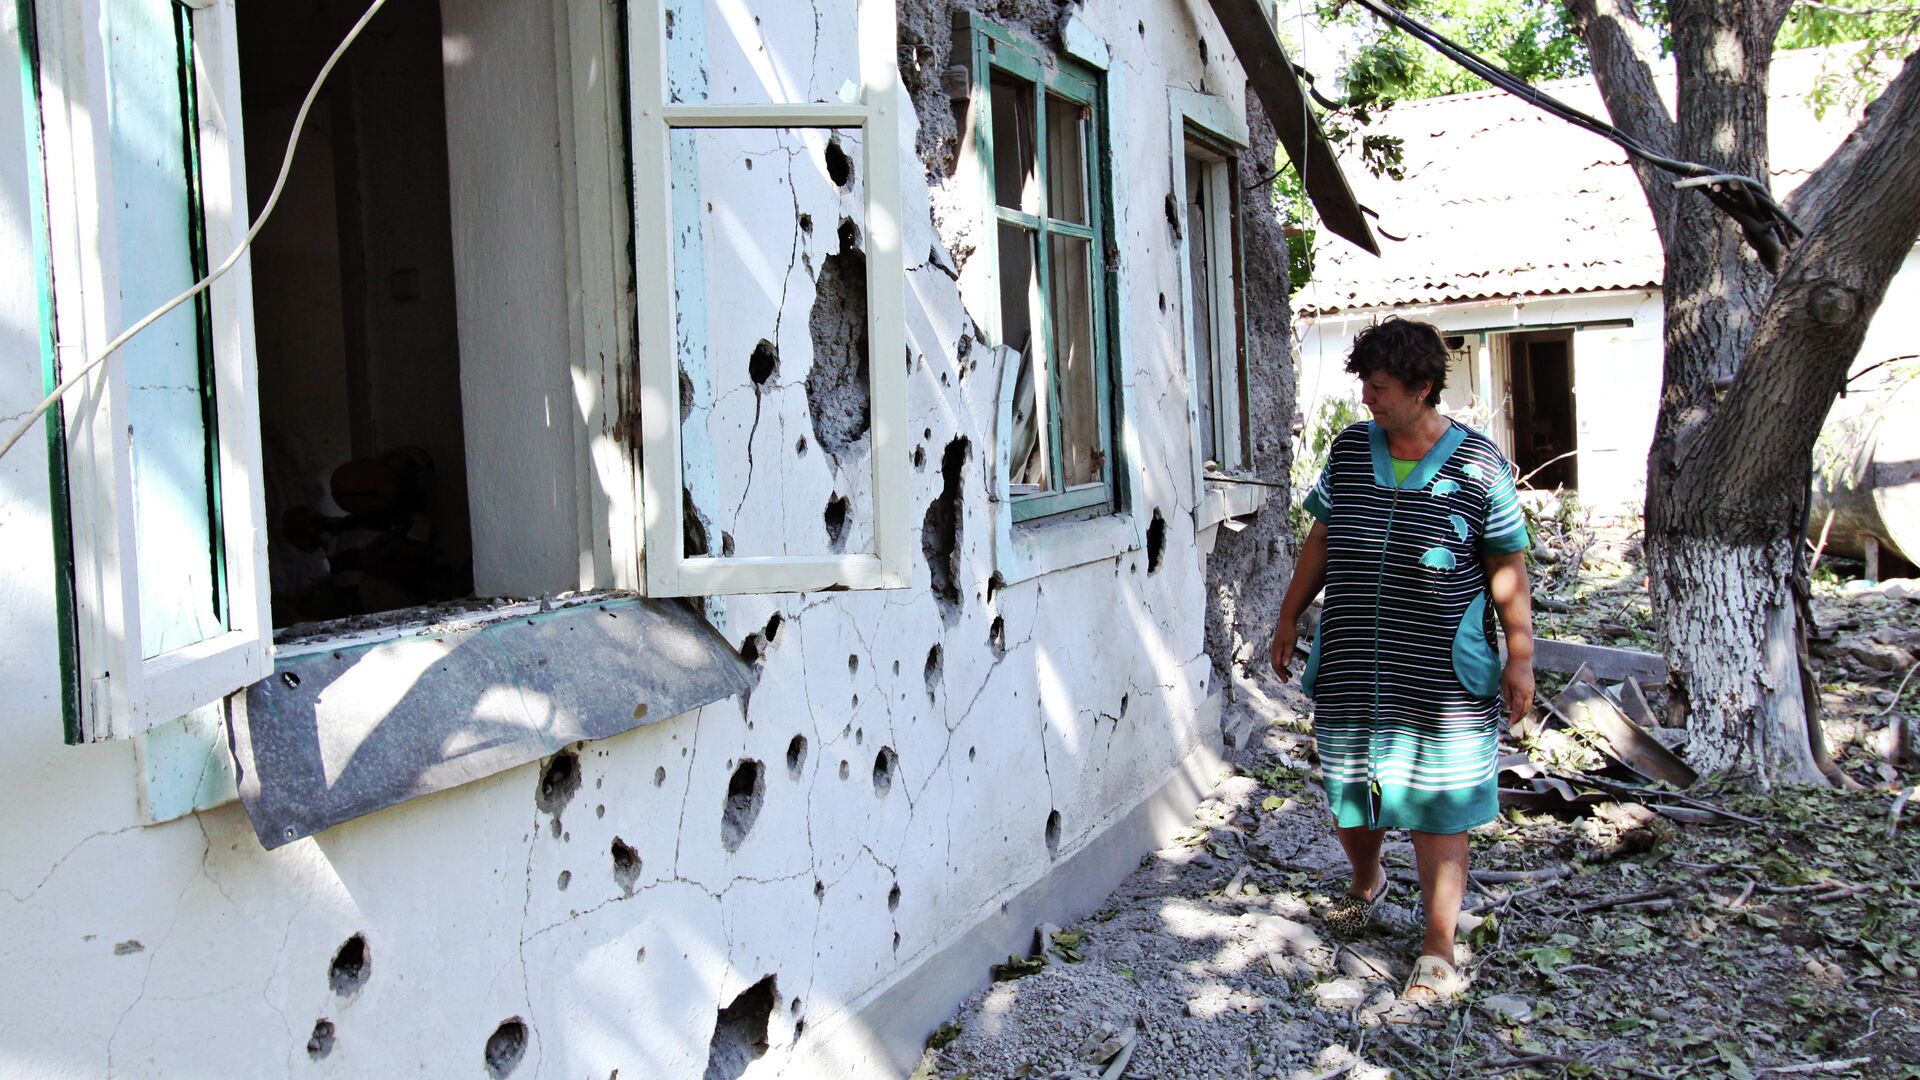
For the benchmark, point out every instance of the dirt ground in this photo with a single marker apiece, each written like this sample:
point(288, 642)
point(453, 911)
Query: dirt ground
point(1611, 944)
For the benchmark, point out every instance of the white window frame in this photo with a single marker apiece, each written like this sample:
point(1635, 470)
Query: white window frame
point(122, 692)
point(1212, 119)
point(670, 571)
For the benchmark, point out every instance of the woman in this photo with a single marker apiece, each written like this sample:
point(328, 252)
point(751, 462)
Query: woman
point(1418, 539)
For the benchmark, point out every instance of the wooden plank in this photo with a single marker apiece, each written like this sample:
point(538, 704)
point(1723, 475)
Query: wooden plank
point(1609, 664)
point(1280, 93)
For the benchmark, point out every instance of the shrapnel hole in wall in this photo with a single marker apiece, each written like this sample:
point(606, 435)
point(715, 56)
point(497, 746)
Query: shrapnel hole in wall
point(505, 1047)
point(941, 530)
point(320, 1043)
point(626, 865)
point(1053, 834)
point(835, 519)
point(884, 764)
point(838, 397)
point(763, 363)
point(559, 781)
point(997, 636)
point(796, 756)
point(1156, 541)
point(740, 1032)
point(352, 963)
point(746, 791)
point(935, 670)
point(839, 165)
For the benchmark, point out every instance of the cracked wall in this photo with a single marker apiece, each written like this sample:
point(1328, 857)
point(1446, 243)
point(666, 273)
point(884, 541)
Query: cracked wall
point(907, 762)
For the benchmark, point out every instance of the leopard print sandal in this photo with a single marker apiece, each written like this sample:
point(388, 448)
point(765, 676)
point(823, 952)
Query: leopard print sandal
point(1349, 916)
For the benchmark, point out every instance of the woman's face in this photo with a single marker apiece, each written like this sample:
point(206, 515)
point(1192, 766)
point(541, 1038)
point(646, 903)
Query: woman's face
point(1393, 404)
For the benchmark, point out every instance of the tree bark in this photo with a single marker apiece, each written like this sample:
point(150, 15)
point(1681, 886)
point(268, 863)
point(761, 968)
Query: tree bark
point(1751, 366)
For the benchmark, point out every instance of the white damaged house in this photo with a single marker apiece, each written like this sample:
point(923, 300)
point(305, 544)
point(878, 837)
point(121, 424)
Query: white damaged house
point(691, 528)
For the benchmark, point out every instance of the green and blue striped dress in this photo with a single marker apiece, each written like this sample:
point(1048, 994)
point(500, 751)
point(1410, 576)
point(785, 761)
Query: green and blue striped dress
point(1404, 672)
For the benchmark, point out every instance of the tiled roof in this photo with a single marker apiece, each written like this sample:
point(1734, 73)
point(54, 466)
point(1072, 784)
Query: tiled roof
point(1500, 199)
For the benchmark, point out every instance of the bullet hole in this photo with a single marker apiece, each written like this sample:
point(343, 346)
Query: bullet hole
point(559, 780)
point(799, 1029)
point(926, 433)
point(1203, 52)
point(129, 947)
point(600, 811)
point(640, 957)
point(836, 522)
point(659, 775)
point(745, 792)
point(935, 670)
point(1125, 699)
point(320, 1043)
point(626, 865)
point(994, 584)
point(845, 769)
point(1203, 59)
point(893, 897)
point(290, 679)
point(837, 394)
point(686, 396)
point(919, 459)
point(896, 941)
point(740, 1032)
point(775, 623)
point(505, 1047)
point(693, 525)
point(1053, 834)
point(859, 736)
point(848, 235)
point(763, 363)
point(800, 446)
point(1163, 300)
point(839, 165)
point(884, 763)
point(351, 966)
point(795, 1007)
point(941, 531)
point(997, 637)
point(565, 879)
point(1156, 541)
point(796, 756)
point(896, 667)
point(758, 644)
point(806, 224)
point(726, 544)
point(853, 663)
point(972, 752)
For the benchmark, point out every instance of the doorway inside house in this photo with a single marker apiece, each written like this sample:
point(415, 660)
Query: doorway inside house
point(360, 412)
point(1540, 384)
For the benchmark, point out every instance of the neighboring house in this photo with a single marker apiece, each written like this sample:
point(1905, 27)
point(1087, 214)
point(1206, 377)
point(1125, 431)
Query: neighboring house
point(832, 386)
point(1529, 244)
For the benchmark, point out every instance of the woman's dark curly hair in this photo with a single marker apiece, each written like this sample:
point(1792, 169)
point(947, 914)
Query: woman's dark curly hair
point(1409, 351)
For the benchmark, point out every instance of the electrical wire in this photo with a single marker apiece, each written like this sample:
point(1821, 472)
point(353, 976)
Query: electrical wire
point(1767, 226)
point(198, 287)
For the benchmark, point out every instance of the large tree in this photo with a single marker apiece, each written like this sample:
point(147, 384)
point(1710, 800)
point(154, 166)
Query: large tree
point(1753, 361)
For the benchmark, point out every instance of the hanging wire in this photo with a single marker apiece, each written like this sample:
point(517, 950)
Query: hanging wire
point(1768, 227)
point(286, 166)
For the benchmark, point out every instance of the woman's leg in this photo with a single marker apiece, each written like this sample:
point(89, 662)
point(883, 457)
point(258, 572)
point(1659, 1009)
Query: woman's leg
point(1362, 846)
point(1442, 861)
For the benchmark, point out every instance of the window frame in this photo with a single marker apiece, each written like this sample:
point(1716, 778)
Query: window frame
point(876, 112)
point(116, 690)
point(993, 48)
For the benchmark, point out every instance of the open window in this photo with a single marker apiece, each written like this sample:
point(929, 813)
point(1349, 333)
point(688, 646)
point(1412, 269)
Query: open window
point(1039, 141)
point(142, 189)
point(767, 222)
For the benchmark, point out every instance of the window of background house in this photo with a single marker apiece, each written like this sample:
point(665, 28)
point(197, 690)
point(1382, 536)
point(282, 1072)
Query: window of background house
point(1216, 328)
point(1039, 134)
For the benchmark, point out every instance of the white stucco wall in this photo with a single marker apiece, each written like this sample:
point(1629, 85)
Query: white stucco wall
point(184, 949)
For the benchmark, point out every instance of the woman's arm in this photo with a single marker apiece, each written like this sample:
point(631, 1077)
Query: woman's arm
point(1513, 599)
point(1309, 576)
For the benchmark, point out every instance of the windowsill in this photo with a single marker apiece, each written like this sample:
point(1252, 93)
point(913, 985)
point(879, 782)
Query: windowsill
point(1031, 548)
point(347, 726)
point(1220, 501)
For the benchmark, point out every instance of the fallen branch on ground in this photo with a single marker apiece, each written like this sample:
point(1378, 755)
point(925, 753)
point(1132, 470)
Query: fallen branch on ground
point(1626, 899)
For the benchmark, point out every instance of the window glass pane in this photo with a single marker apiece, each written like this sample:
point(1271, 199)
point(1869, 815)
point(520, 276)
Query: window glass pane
point(1200, 289)
point(1029, 453)
point(169, 401)
point(1082, 443)
point(1013, 142)
point(771, 341)
point(1066, 160)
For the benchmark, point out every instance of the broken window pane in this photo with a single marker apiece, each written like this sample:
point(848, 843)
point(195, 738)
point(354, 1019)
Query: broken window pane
point(1028, 451)
point(1013, 142)
point(1082, 443)
point(770, 294)
point(1066, 160)
point(719, 53)
point(1200, 289)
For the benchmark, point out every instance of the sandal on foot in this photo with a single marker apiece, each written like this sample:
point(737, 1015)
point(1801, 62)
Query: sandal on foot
point(1349, 915)
point(1441, 982)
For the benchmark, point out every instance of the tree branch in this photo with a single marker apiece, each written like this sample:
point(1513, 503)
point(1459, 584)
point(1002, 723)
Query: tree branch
point(1888, 121)
point(1622, 51)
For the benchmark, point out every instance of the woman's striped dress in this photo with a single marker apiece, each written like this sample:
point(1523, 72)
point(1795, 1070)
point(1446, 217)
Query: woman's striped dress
point(1403, 671)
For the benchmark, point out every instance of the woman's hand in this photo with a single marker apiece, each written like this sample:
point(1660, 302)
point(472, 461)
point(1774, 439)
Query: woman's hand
point(1285, 637)
point(1516, 686)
